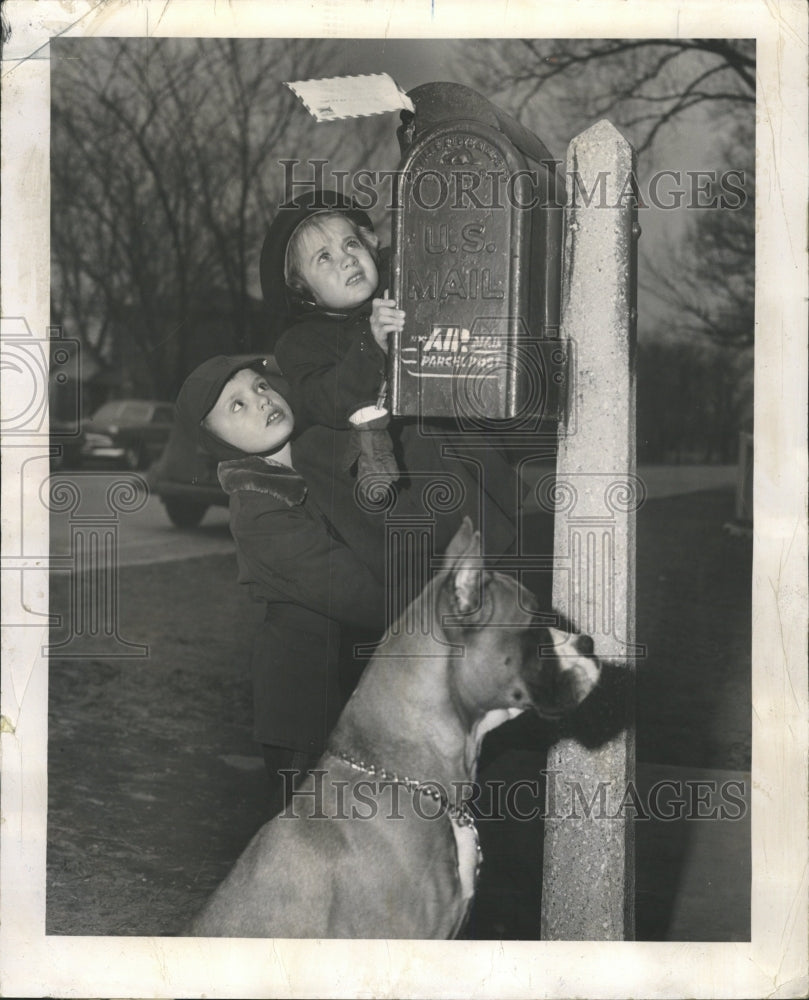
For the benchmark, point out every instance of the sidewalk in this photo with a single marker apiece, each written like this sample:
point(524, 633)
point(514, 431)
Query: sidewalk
point(659, 480)
point(674, 480)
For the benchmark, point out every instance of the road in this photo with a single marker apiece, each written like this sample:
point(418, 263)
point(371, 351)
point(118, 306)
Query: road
point(145, 534)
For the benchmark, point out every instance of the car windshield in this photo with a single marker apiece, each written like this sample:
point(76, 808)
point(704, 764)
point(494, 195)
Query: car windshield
point(124, 411)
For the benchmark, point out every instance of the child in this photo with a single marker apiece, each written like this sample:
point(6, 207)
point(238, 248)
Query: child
point(330, 266)
point(321, 263)
point(289, 554)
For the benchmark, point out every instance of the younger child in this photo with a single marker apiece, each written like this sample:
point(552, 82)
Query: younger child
point(330, 266)
point(289, 554)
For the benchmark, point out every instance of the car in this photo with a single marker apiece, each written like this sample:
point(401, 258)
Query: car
point(128, 432)
point(67, 443)
point(184, 477)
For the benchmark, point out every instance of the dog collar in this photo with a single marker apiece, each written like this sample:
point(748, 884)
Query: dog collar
point(462, 814)
point(462, 823)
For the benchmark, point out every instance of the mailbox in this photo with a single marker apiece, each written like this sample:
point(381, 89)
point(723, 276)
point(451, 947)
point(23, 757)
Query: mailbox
point(477, 237)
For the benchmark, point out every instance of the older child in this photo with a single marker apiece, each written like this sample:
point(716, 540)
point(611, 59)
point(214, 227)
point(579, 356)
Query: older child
point(289, 554)
point(321, 263)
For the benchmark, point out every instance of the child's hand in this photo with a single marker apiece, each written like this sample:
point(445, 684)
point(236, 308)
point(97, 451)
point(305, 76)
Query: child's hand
point(385, 319)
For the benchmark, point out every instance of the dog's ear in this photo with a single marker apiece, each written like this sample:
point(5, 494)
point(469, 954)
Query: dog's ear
point(462, 540)
point(466, 575)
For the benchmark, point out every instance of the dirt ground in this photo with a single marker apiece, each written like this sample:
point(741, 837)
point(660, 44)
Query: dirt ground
point(155, 785)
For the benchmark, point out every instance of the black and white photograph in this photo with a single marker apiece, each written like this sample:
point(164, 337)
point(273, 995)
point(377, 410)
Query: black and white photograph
point(404, 500)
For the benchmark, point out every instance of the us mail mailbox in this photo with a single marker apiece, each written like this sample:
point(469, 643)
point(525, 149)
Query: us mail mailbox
point(476, 262)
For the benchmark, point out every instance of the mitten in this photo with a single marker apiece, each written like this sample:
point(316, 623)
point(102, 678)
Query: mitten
point(376, 456)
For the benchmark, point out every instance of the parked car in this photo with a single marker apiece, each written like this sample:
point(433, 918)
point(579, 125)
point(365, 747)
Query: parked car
point(184, 477)
point(185, 480)
point(67, 441)
point(129, 432)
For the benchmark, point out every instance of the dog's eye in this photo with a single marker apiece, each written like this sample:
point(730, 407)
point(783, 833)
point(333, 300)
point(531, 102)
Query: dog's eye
point(517, 694)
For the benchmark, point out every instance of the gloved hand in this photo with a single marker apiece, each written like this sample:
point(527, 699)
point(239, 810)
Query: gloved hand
point(376, 455)
point(371, 446)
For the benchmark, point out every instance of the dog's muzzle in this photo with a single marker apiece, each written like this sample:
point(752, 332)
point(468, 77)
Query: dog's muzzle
point(562, 672)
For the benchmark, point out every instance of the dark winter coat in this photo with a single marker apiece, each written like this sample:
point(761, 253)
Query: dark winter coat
point(316, 590)
point(334, 366)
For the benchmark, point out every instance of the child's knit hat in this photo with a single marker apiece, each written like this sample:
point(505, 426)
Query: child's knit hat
point(282, 303)
point(201, 390)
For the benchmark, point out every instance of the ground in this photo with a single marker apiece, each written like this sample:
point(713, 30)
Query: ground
point(155, 785)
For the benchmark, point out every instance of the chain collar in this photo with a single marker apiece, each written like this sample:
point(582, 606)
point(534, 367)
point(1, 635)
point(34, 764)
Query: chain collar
point(461, 819)
point(462, 814)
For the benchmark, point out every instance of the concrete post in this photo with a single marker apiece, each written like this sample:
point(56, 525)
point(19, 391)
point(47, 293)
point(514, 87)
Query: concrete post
point(588, 876)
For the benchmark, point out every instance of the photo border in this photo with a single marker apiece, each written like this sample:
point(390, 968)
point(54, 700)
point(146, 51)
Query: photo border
point(774, 963)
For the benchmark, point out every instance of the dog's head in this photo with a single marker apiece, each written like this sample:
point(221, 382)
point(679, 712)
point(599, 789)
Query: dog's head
point(508, 660)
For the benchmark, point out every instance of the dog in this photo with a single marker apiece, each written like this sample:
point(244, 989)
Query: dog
point(379, 840)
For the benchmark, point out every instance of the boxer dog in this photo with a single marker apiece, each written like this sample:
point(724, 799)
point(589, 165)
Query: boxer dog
point(379, 840)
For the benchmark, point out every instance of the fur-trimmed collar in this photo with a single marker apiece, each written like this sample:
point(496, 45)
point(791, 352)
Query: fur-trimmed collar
point(262, 475)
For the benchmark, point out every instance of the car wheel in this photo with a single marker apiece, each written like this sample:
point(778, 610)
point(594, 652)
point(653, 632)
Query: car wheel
point(132, 459)
point(184, 513)
point(66, 460)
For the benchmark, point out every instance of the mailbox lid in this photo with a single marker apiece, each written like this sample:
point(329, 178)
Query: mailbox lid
point(442, 102)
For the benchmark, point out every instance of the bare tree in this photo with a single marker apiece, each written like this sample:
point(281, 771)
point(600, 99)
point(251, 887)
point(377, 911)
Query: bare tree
point(642, 84)
point(695, 358)
point(693, 396)
point(164, 173)
point(708, 279)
